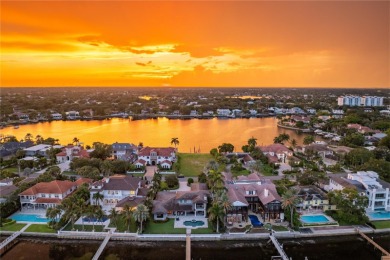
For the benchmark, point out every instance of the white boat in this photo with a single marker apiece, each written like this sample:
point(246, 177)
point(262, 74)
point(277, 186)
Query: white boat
point(16, 127)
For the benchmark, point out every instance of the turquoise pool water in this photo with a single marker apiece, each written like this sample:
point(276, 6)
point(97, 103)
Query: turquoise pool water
point(379, 215)
point(29, 218)
point(193, 223)
point(314, 219)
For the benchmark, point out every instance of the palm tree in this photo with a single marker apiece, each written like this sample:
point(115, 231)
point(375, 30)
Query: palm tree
point(252, 141)
point(293, 143)
point(113, 216)
point(289, 200)
point(81, 209)
point(281, 138)
point(91, 214)
point(28, 137)
point(175, 141)
point(76, 141)
point(216, 212)
point(127, 215)
point(52, 214)
point(97, 197)
point(141, 213)
point(39, 139)
point(223, 200)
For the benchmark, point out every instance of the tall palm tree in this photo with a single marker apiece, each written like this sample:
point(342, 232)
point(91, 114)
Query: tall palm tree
point(216, 212)
point(141, 213)
point(81, 210)
point(223, 200)
point(76, 141)
point(252, 141)
point(99, 213)
point(91, 214)
point(293, 143)
point(289, 200)
point(28, 137)
point(175, 141)
point(127, 215)
point(97, 197)
point(113, 216)
point(52, 214)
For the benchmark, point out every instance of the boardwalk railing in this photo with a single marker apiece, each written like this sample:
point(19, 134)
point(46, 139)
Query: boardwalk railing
point(279, 247)
point(9, 239)
point(384, 252)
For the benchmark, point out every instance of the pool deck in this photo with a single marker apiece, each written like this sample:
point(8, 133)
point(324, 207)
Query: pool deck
point(38, 212)
point(180, 223)
point(371, 218)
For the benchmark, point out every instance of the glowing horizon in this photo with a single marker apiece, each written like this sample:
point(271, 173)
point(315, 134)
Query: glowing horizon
point(195, 44)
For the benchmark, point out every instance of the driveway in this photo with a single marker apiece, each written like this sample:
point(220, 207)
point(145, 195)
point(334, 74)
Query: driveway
point(183, 186)
point(150, 170)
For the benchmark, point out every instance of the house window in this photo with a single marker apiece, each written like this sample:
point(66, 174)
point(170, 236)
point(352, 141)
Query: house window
point(56, 196)
point(43, 195)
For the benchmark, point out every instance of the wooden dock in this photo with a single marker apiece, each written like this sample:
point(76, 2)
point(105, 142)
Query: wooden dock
point(386, 255)
point(279, 247)
point(10, 241)
point(188, 244)
point(101, 248)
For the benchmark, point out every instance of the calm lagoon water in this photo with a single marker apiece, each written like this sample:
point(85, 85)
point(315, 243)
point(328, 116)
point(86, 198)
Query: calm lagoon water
point(345, 248)
point(201, 134)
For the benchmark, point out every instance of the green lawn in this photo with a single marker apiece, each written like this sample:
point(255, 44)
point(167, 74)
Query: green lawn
point(12, 169)
point(98, 228)
point(40, 228)
point(167, 228)
point(121, 225)
point(12, 227)
point(69, 173)
point(267, 170)
point(140, 175)
point(244, 172)
point(192, 164)
point(279, 228)
point(381, 224)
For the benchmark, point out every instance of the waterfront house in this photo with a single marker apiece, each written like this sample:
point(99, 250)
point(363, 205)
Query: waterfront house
point(8, 149)
point(223, 112)
point(6, 189)
point(366, 183)
point(252, 194)
point(40, 150)
point(72, 115)
point(170, 204)
point(154, 155)
point(56, 116)
point(47, 194)
point(115, 188)
point(71, 151)
point(276, 153)
point(311, 197)
point(124, 151)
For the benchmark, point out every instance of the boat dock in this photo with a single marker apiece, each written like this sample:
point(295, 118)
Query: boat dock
point(101, 248)
point(279, 247)
point(386, 255)
point(188, 244)
point(10, 241)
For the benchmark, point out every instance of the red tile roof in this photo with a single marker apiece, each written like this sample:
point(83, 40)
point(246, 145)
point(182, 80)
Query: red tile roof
point(83, 180)
point(53, 187)
point(48, 200)
point(167, 151)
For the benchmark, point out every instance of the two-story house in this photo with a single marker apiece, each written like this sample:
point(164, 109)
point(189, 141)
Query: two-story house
point(154, 156)
point(311, 197)
point(276, 153)
point(124, 151)
point(71, 151)
point(114, 189)
point(250, 193)
point(181, 203)
point(44, 195)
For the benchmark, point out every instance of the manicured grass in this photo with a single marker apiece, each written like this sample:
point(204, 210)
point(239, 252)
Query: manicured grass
point(381, 224)
point(40, 228)
point(12, 169)
point(69, 173)
point(137, 174)
point(168, 228)
point(122, 227)
point(12, 227)
point(192, 164)
point(267, 170)
point(98, 228)
point(244, 172)
point(279, 228)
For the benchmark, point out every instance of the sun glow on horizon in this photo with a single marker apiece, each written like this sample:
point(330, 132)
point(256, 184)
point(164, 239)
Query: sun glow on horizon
point(194, 44)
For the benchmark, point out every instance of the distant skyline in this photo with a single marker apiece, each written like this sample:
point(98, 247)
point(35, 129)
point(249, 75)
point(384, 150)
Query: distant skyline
point(195, 44)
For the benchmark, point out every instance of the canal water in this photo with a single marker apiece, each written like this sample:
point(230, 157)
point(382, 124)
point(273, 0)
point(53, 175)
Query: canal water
point(193, 134)
point(333, 248)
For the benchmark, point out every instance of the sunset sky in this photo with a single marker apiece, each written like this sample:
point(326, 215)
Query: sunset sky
point(182, 43)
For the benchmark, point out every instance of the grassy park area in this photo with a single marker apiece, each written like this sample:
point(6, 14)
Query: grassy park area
point(192, 164)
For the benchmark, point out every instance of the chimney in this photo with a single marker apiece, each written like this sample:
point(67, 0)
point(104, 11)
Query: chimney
point(107, 180)
point(266, 192)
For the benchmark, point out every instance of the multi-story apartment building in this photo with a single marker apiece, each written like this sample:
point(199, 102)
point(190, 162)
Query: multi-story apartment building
point(365, 101)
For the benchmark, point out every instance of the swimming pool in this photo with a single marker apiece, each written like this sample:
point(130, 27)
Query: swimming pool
point(24, 217)
point(255, 221)
point(193, 223)
point(315, 219)
point(379, 215)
